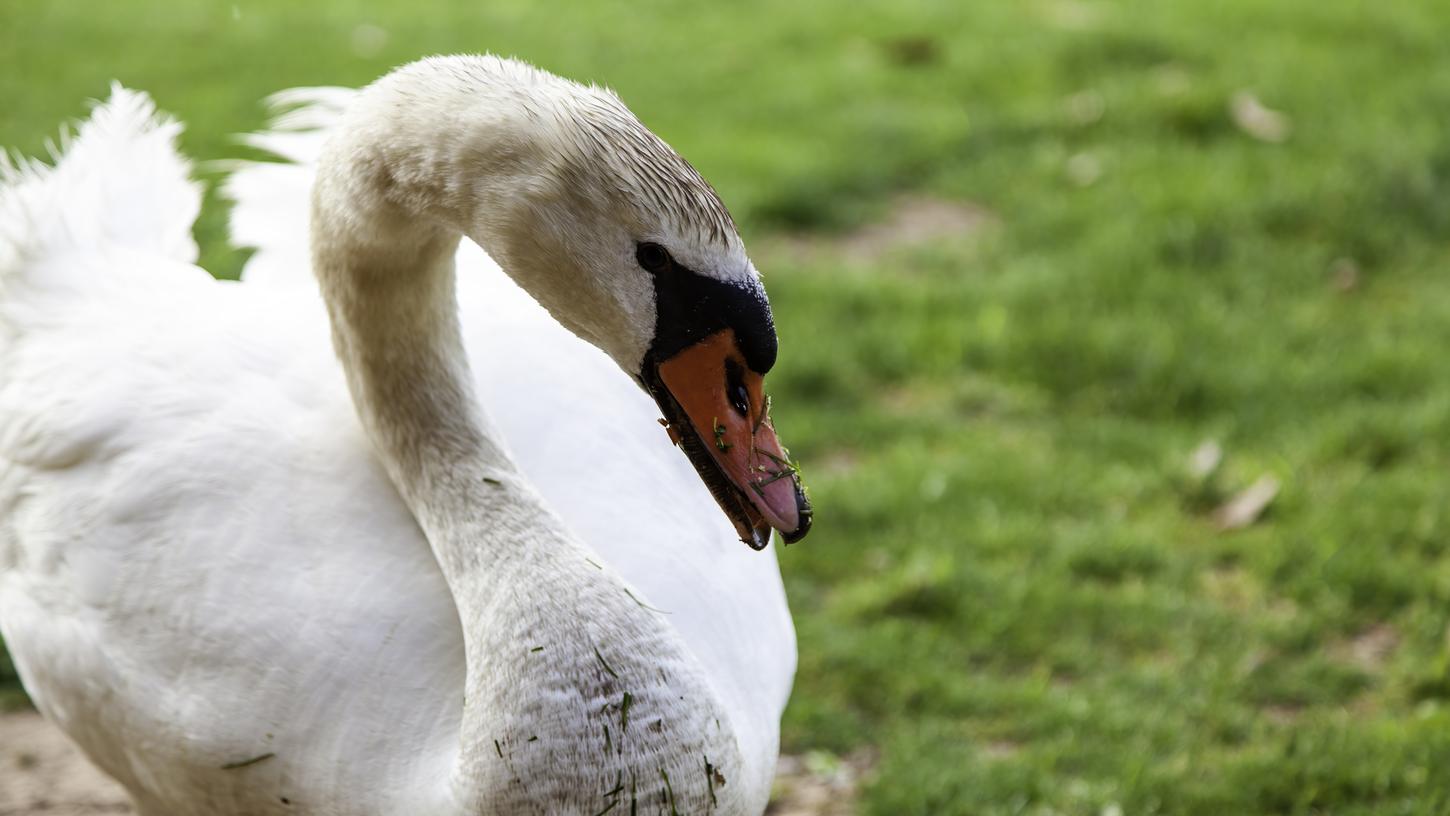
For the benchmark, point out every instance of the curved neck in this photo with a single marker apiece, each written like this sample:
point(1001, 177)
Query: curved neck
point(402, 177)
point(563, 661)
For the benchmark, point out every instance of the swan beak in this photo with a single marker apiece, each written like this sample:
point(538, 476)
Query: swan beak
point(729, 437)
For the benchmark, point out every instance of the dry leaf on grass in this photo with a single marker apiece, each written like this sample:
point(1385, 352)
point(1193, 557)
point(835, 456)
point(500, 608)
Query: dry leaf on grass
point(1247, 505)
point(1258, 120)
point(1205, 459)
point(1344, 274)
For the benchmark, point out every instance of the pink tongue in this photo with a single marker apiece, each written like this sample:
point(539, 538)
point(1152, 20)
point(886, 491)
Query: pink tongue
point(772, 491)
point(778, 504)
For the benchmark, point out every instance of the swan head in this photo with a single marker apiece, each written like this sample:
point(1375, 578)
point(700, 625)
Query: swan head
point(615, 234)
point(630, 248)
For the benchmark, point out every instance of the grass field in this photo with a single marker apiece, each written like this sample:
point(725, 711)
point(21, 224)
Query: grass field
point(1222, 222)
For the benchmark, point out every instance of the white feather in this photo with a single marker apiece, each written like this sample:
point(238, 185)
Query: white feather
point(83, 202)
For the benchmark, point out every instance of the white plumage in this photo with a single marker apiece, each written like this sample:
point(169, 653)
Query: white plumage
point(208, 580)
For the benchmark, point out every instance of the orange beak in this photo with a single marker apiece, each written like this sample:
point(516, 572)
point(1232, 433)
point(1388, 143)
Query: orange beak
point(717, 411)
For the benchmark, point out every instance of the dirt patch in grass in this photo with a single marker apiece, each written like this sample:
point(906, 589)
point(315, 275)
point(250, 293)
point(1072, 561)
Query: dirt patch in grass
point(1284, 714)
point(42, 774)
point(912, 220)
point(818, 784)
point(1370, 649)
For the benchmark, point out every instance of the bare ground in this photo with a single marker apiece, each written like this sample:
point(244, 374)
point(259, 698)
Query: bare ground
point(42, 774)
point(910, 221)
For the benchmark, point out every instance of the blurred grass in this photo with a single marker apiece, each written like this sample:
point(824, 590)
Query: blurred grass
point(1015, 593)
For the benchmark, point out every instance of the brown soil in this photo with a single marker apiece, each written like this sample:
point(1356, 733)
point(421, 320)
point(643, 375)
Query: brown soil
point(42, 774)
point(818, 785)
point(910, 221)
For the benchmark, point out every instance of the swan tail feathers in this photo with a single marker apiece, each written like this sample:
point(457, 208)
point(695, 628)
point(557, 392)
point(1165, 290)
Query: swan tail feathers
point(302, 118)
point(117, 180)
point(271, 200)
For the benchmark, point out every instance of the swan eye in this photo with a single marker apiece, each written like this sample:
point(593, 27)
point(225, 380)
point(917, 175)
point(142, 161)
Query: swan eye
point(735, 388)
point(652, 256)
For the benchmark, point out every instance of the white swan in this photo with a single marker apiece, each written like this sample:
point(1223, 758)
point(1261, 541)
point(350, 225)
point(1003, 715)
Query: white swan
point(237, 605)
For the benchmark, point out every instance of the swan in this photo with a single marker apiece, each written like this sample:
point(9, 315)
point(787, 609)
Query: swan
point(405, 541)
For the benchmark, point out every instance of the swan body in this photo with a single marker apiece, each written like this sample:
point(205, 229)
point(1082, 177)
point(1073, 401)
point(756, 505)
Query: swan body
point(247, 580)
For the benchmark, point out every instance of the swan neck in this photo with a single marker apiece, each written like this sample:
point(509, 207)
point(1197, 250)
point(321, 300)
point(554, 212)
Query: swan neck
point(383, 255)
point(541, 618)
point(384, 236)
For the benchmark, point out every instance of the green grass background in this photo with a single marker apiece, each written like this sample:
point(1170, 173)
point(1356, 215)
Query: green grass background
point(1015, 596)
